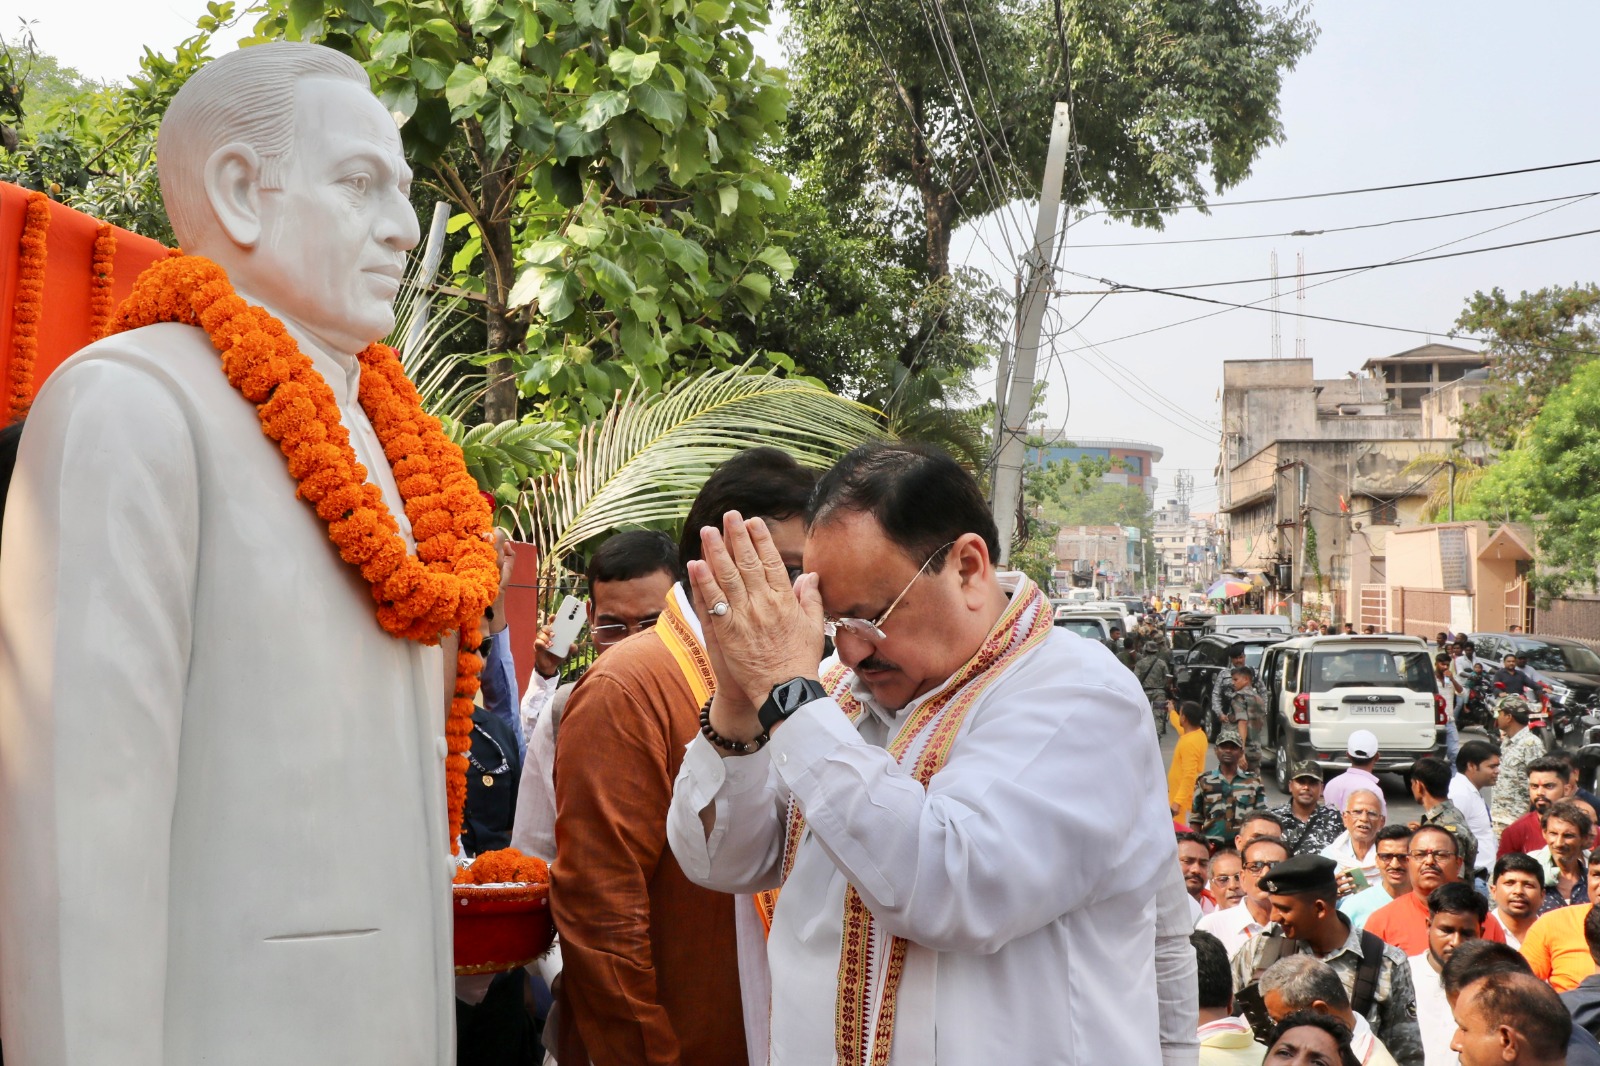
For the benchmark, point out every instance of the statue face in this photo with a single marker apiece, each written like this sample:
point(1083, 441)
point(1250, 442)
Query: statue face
point(334, 238)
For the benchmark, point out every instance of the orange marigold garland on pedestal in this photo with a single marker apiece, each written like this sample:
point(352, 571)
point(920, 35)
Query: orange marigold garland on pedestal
point(453, 576)
point(30, 304)
point(505, 867)
point(101, 304)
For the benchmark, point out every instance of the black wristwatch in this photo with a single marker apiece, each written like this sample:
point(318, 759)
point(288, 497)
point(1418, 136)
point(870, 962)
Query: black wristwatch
point(787, 698)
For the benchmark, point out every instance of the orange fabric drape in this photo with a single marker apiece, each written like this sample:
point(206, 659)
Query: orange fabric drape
point(67, 320)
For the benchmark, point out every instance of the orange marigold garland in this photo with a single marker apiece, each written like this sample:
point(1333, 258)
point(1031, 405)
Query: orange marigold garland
point(29, 307)
point(101, 304)
point(453, 576)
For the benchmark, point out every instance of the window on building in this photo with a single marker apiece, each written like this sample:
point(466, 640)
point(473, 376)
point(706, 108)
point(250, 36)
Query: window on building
point(1385, 513)
point(1411, 399)
point(1452, 371)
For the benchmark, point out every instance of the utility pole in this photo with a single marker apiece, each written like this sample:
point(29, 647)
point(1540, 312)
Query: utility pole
point(1452, 464)
point(1035, 296)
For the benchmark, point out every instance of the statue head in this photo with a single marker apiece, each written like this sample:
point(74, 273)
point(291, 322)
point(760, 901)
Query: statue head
point(279, 164)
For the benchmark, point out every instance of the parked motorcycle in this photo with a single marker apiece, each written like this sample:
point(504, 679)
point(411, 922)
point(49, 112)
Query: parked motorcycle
point(1575, 729)
point(1476, 711)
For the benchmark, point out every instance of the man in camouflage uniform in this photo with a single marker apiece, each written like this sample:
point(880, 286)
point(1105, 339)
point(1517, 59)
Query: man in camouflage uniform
point(1222, 688)
point(1150, 670)
point(1518, 751)
point(1309, 825)
point(1248, 713)
point(1304, 899)
point(1225, 796)
point(1430, 787)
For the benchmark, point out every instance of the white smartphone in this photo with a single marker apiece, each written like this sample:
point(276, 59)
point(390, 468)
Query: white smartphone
point(569, 621)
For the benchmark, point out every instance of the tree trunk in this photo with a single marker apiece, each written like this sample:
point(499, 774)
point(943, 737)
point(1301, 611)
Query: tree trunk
point(938, 209)
point(505, 332)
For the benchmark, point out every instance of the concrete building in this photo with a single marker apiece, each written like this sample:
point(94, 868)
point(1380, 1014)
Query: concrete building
point(1312, 471)
point(1104, 556)
point(1454, 577)
point(1132, 462)
point(1186, 547)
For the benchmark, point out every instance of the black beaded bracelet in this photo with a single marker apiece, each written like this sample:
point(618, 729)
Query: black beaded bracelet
point(739, 747)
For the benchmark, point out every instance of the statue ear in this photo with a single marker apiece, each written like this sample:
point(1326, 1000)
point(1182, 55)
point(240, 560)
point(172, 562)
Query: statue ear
point(233, 187)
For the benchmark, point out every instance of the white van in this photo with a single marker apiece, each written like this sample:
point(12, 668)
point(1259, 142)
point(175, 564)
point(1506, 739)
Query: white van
point(1250, 625)
point(1321, 689)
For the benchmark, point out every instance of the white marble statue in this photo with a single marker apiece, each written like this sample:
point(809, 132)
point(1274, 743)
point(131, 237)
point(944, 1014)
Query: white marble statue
point(221, 796)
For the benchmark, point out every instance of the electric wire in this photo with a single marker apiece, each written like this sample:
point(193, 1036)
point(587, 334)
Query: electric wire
point(1198, 205)
point(1228, 305)
point(1362, 268)
point(1330, 229)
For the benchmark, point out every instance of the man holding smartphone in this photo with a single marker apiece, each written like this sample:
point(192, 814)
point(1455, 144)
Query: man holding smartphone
point(629, 577)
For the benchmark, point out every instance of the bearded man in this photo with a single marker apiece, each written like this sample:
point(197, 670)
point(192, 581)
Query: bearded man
point(222, 779)
point(923, 809)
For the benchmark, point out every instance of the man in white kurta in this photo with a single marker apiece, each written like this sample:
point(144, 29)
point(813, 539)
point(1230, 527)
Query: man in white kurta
point(221, 782)
point(1025, 876)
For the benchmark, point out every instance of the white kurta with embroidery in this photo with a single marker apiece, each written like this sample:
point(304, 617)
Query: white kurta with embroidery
point(1025, 877)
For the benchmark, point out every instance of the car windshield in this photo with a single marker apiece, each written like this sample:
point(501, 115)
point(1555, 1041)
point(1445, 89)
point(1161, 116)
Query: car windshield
point(1081, 626)
point(1184, 639)
point(1561, 658)
point(1370, 667)
point(1252, 655)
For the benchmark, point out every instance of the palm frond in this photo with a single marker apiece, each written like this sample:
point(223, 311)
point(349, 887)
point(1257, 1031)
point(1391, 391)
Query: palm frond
point(451, 383)
point(504, 457)
point(644, 462)
point(1432, 465)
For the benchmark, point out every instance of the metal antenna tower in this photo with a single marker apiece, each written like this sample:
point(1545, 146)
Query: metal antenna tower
point(1277, 323)
point(1300, 305)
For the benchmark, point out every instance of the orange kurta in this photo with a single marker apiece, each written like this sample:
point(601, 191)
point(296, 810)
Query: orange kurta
point(650, 960)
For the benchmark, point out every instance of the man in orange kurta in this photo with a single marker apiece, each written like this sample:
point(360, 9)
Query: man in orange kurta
point(650, 961)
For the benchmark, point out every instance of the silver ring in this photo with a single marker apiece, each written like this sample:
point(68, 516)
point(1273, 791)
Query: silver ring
point(719, 608)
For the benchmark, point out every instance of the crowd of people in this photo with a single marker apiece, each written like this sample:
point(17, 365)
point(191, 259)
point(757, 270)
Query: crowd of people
point(1464, 935)
point(1315, 930)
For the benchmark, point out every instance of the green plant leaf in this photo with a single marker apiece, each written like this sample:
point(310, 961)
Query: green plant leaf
point(633, 67)
point(601, 108)
point(610, 279)
point(466, 88)
point(667, 107)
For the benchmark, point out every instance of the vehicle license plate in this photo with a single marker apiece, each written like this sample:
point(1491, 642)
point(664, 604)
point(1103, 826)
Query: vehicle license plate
point(1370, 708)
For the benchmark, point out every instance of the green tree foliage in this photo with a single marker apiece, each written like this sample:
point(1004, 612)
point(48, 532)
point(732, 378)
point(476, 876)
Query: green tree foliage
point(1535, 343)
point(89, 145)
point(915, 116)
point(1550, 479)
point(605, 157)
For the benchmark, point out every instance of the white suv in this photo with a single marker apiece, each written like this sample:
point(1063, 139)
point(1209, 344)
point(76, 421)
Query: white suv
point(1322, 689)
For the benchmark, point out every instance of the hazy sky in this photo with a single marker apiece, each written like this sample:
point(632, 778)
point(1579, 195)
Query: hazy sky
point(1391, 93)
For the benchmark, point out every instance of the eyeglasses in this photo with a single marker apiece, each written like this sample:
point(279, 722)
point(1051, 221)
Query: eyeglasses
point(1391, 860)
point(1363, 816)
point(615, 631)
point(1259, 867)
point(873, 630)
point(1224, 879)
point(1432, 856)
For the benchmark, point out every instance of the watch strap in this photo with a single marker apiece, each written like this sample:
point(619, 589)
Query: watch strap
point(787, 698)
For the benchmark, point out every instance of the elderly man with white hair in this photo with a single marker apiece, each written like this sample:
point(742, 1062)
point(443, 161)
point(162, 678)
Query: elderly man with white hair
point(1355, 849)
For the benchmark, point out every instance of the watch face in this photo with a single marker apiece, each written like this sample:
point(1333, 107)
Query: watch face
point(792, 695)
point(787, 698)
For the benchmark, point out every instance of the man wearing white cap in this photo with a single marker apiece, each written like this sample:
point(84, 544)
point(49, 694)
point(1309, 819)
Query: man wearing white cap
point(1363, 752)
